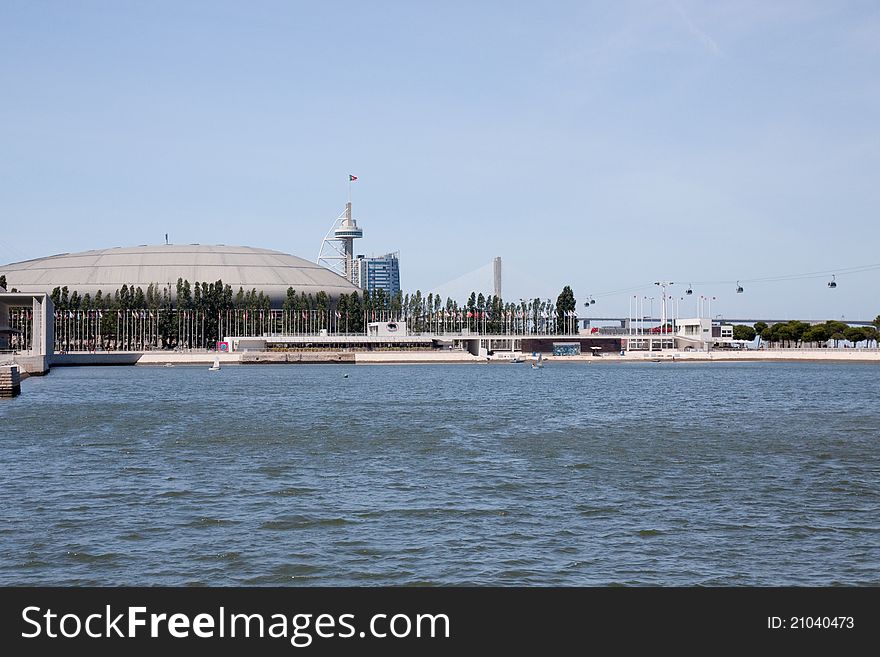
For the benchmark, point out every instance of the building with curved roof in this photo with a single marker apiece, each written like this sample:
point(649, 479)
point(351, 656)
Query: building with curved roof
point(107, 270)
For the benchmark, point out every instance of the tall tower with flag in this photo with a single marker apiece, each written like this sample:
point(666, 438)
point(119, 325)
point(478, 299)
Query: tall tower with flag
point(346, 233)
point(337, 249)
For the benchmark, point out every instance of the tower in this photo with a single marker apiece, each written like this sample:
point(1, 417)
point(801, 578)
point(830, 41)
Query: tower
point(346, 233)
point(496, 275)
point(337, 248)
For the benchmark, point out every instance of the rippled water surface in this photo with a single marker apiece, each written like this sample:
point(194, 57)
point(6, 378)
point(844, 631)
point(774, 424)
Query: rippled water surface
point(650, 473)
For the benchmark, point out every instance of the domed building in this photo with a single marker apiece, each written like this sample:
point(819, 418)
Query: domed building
point(271, 272)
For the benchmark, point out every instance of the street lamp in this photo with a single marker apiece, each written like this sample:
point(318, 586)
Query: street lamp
point(663, 285)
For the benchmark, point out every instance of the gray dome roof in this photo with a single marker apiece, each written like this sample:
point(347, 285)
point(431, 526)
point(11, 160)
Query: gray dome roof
point(237, 266)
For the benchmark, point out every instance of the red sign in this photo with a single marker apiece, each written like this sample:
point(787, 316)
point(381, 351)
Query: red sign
point(222, 346)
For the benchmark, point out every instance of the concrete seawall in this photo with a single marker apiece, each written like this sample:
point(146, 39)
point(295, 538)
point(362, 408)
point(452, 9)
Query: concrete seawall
point(762, 355)
point(304, 357)
point(97, 358)
point(10, 381)
point(412, 357)
point(161, 358)
point(33, 365)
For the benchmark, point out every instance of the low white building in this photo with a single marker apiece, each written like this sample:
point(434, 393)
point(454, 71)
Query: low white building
point(387, 329)
point(703, 329)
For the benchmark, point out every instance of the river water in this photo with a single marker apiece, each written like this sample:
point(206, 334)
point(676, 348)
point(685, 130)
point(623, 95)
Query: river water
point(576, 474)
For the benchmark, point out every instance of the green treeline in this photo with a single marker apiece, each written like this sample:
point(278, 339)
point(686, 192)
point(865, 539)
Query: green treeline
point(208, 304)
point(796, 333)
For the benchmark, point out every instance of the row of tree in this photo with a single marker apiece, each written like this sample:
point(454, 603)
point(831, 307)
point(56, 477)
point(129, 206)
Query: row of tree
point(210, 304)
point(796, 333)
point(421, 312)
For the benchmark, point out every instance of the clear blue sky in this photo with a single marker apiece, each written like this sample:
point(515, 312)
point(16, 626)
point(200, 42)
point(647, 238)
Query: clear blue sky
point(603, 145)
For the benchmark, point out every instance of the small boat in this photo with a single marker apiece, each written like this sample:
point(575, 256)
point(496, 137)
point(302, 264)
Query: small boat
point(216, 366)
point(517, 359)
point(168, 365)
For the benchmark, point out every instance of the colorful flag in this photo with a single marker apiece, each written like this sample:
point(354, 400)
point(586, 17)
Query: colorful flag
point(352, 178)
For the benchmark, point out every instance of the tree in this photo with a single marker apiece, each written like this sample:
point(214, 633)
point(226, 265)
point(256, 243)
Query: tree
point(784, 333)
point(836, 330)
point(855, 334)
point(797, 329)
point(397, 305)
point(759, 327)
point(836, 327)
point(322, 302)
point(744, 332)
point(816, 334)
point(3, 285)
point(356, 313)
point(565, 306)
point(188, 296)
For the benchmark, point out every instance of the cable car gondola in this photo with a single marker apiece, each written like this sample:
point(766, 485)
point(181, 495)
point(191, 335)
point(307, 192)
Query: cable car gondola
point(832, 283)
point(739, 288)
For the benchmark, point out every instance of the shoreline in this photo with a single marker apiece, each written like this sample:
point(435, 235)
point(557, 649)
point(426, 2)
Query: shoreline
point(162, 359)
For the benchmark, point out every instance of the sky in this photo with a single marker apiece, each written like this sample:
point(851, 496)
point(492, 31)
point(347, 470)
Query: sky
point(602, 145)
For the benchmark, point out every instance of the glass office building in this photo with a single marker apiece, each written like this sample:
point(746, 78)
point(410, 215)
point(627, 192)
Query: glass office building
point(382, 273)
